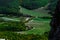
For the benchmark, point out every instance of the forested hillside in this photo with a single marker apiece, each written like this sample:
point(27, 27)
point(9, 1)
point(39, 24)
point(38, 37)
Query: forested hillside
point(33, 4)
point(9, 6)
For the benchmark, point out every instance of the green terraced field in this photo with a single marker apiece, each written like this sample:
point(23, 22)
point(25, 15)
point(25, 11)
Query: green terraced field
point(39, 27)
point(32, 13)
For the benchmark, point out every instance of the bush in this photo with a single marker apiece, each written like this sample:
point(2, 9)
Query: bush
point(46, 17)
point(17, 36)
point(12, 26)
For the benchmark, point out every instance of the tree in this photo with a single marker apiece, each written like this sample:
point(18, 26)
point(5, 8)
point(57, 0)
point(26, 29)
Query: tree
point(33, 4)
point(52, 6)
point(54, 33)
point(9, 6)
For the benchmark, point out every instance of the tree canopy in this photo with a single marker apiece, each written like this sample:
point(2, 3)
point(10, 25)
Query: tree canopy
point(9, 5)
point(52, 5)
point(33, 4)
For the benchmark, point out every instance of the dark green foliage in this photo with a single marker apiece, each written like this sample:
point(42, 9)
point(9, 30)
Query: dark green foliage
point(7, 6)
point(55, 24)
point(33, 4)
point(52, 6)
point(12, 26)
point(17, 36)
point(46, 17)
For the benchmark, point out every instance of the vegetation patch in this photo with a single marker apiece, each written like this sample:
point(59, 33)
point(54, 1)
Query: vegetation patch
point(12, 26)
point(17, 36)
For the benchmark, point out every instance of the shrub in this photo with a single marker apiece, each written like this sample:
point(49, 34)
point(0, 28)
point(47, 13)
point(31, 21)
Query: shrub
point(12, 26)
point(17, 36)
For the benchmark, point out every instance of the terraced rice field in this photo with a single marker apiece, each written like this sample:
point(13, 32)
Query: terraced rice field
point(39, 27)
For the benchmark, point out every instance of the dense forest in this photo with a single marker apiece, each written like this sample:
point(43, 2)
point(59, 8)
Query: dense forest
point(33, 4)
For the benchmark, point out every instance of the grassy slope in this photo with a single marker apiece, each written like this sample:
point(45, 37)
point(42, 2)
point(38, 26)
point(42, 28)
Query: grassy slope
point(32, 13)
point(40, 26)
